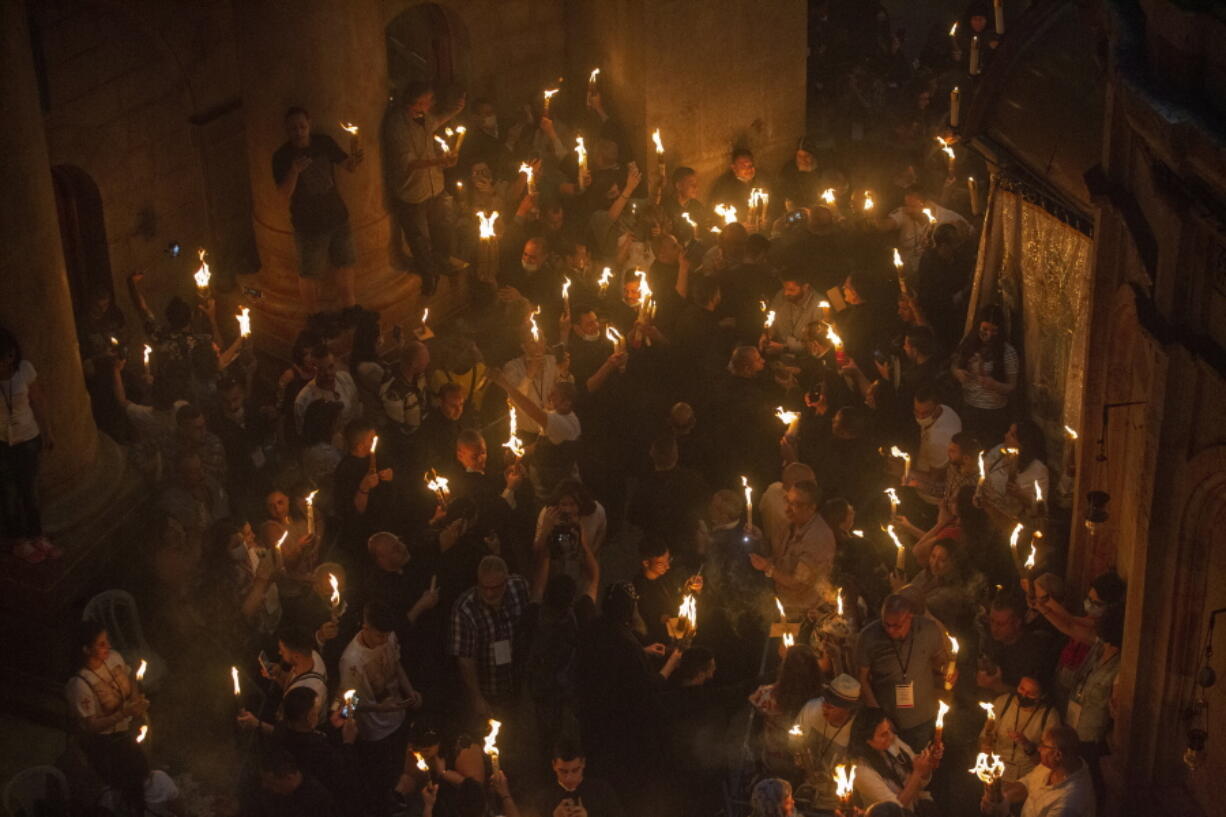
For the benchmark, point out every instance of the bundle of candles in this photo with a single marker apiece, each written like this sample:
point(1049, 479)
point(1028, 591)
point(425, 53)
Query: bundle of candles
point(990, 769)
point(684, 627)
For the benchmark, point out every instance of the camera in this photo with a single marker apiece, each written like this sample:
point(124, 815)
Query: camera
point(563, 541)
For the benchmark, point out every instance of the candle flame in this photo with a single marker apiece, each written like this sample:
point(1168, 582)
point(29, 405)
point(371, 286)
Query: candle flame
point(839, 600)
point(897, 452)
point(1071, 432)
point(787, 417)
point(823, 304)
point(536, 330)
point(989, 771)
point(487, 223)
point(450, 133)
point(335, 599)
point(893, 495)
point(1038, 491)
point(491, 740)
point(931, 218)
point(758, 198)
point(442, 144)
point(374, 443)
point(1009, 452)
point(244, 322)
point(948, 151)
point(796, 731)
point(789, 641)
point(858, 532)
point(953, 644)
point(613, 335)
point(897, 259)
point(689, 612)
point(202, 275)
point(779, 606)
point(727, 212)
point(868, 201)
point(989, 708)
point(828, 195)
point(565, 288)
point(461, 130)
point(526, 168)
point(953, 29)
point(591, 78)
point(605, 277)
point(897, 542)
point(310, 498)
point(514, 444)
point(1017, 531)
point(748, 505)
point(942, 708)
point(691, 222)
point(425, 315)
point(421, 763)
point(351, 129)
point(140, 671)
point(1030, 559)
point(550, 93)
point(148, 353)
point(143, 733)
point(983, 469)
point(844, 780)
point(238, 689)
point(438, 484)
point(580, 149)
point(281, 541)
point(834, 338)
point(770, 319)
point(655, 138)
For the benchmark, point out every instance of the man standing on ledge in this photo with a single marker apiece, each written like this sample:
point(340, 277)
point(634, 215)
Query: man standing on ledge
point(302, 170)
point(415, 174)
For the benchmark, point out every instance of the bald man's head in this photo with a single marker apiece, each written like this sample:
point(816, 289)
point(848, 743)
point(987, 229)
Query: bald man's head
point(797, 472)
point(681, 417)
point(388, 552)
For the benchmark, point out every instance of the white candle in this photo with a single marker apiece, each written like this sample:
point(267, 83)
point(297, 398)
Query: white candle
point(955, 106)
point(974, 67)
point(1000, 16)
point(972, 188)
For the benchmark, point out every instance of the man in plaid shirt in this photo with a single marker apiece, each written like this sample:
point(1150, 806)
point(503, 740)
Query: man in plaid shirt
point(484, 624)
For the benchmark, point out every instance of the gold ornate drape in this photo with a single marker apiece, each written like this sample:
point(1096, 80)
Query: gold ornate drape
point(1037, 268)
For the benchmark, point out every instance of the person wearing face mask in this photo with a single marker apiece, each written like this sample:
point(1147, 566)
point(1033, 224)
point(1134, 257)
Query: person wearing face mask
point(1089, 695)
point(1022, 716)
point(1106, 591)
point(938, 424)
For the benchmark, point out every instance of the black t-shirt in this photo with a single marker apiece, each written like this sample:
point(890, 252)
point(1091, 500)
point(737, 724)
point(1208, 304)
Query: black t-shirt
point(597, 796)
point(315, 206)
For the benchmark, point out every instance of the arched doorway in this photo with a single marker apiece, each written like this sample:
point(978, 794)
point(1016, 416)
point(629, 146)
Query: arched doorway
point(426, 43)
point(87, 256)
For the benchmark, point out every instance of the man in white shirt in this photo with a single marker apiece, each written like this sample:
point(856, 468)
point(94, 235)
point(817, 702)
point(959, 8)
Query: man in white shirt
point(370, 666)
point(554, 456)
point(1060, 786)
point(773, 508)
point(329, 384)
point(415, 163)
point(938, 424)
point(827, 722)
point(801, 569)
point(914, 226)
point(532, 374)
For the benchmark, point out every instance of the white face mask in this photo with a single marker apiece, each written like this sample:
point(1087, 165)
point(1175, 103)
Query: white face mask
point(594, 336)
point(926, 421)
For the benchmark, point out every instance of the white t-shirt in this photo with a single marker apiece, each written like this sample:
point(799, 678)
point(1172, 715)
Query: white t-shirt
point(536, 389)
point(561, 428)
point(974, 393)
point(772, 515)
point(914, 232)
point(873, 788)
point(933, 453)
point(317, 680)
point(160, 792)
point(94, 693)
point(344, 391)
point(374, 673)
point(1073, 797)
point(17, 423)
point(827, 744)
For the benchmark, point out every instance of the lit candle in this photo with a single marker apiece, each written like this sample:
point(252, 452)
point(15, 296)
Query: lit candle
point(460, 133)
point(374, 443)
point(238, 689)
point(974, 67)
point(1000, 16)
point(990, 726)
point(244, 322)
point(948, 151)
point(202, 275)
point(661, 168)
point(1030, 559)
point(727, 212)
point(796, 735)
point(533, 327)
point(951, 666)
point(593, 84)
point(566, 296)
point(487, 248)
point(990, 772)
point(942, 708)
point(514, 444)
point(143, 733)
point(425, 316)
point(893, 495)
point(491, 744)
point(955, 106)
point(141, 670)
point(693, 224)
point(549, 100)
point(769, 321)
point(422, 766)
point(828, 196)
point(280, 554)
point(646, 305)
point(837, 342)
point(972, 189)
point(335, 598)
point(953, 41)
point(616, 338)
point(844, 784)
point(868, 200)
point(898, 453)
point(786, 417)
point(1017, 531)
point(983, 473)
point(687, 617)
point(605, 277)
point(526, 169)
point(749, 513)
point(310, 503)
point(148, 355)
point(438, 484)
point(783, 616)
point(354, 140)
point(758, 200)
point(442, 145)
point(581, 155)
point(838, 594)
point(900, 555)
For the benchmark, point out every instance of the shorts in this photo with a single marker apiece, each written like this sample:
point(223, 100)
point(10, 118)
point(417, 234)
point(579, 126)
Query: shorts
point(317, 251)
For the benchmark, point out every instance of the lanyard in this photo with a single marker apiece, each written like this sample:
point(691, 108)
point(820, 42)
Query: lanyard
point(898, 654)
point(821, 756)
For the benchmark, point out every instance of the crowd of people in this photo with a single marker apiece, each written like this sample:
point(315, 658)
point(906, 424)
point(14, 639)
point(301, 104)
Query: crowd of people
point(683, 510)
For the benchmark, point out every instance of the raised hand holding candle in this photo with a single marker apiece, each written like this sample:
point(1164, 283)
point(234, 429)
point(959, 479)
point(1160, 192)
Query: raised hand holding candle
point(844, 784)
point(900, 557)
point(202, 274)
point(310, 503)
point(942, 710)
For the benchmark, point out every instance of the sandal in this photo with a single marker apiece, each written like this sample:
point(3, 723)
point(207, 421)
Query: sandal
point(25, 549)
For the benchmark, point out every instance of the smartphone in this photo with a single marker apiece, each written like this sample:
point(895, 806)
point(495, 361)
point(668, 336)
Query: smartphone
point(797, 217)
point(173, 249)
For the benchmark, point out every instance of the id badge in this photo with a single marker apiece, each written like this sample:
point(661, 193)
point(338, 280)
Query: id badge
point(502, 652)
point(1073, 715)
point(904, 695)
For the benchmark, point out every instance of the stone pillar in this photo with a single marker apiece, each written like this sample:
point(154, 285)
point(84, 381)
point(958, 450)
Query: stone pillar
point(85, 469)
point(332, 61)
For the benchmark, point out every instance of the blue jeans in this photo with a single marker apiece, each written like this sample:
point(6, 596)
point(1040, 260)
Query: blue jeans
point(19, 516)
